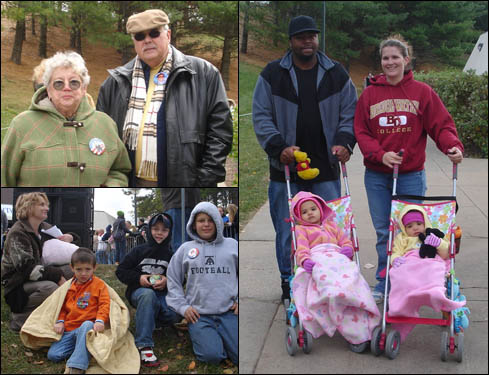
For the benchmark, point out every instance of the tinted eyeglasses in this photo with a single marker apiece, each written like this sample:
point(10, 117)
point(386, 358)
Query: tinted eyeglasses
point(153, 34)
point(60, 85)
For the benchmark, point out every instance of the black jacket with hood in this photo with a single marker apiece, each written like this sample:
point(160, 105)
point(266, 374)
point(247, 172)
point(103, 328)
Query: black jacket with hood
point(149, 258)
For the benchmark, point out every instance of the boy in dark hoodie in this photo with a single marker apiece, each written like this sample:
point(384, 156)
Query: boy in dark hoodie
point(144, 271)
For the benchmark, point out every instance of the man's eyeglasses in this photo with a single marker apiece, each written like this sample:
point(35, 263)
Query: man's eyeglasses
point(141, 36)
point(60, 85)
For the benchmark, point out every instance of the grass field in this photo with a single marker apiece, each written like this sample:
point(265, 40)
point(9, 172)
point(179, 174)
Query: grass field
point(253, 163)
point(174, 350)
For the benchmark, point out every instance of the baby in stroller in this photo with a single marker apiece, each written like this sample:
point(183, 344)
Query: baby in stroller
point(415, 280)
point(329, 290)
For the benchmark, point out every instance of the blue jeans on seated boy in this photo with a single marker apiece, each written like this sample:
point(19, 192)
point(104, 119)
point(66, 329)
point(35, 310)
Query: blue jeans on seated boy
point(215, 337)
point(72, 344)
point(151, 307)
point(279, 210)
point(379, 193)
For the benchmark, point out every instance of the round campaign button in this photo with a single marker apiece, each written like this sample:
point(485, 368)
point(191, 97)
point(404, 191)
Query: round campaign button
point(160, 78)
point(97, 146)
point(193, 253)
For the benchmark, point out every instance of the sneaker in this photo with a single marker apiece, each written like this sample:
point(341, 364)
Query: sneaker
point(378, 296)
point(285, 290)
point(148, 358)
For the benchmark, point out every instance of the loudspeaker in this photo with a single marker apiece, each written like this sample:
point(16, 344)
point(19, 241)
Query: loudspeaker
point(70, 209)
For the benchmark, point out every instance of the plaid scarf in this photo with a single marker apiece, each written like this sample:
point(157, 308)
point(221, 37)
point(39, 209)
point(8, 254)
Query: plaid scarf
point(135, 112)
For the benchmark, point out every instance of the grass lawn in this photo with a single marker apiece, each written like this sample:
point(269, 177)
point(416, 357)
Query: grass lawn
point(173, 350)
point(253, 162)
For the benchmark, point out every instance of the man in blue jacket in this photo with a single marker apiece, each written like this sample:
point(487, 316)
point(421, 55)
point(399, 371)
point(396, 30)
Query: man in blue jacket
point(304, 101)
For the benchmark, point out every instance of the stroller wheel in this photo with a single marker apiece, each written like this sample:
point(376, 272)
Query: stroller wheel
point(392, 344)
point(291, 341)
point(359, 348)
point(444, 346)
point(375, 343)
point(307, 342)
point(460, 347)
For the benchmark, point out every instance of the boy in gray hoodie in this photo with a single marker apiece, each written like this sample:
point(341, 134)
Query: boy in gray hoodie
point(210, 300)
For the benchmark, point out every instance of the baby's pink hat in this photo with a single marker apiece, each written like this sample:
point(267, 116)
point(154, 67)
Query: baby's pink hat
point(412, 216)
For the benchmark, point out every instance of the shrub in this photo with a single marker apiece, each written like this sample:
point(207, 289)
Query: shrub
point(465, 97)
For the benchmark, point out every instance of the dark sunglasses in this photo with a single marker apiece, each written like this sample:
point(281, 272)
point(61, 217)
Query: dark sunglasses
point(60, 85)
point(141, 36)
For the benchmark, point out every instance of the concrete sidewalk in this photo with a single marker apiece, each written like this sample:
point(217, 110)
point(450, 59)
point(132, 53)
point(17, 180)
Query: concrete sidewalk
point(262, 317)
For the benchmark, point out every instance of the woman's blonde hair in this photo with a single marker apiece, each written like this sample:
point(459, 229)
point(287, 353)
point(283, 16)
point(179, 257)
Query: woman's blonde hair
point(26, 202)
point(232, 210)
point(404, 47)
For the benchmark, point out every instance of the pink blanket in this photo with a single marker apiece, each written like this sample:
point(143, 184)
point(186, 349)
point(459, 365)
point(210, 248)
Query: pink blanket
point(418, 282)
point(335, 296)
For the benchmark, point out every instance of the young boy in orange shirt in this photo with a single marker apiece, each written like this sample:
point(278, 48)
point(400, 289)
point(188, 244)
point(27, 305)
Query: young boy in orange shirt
point(86, 306)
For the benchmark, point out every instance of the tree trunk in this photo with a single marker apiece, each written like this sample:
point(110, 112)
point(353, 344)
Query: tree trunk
point(43, 38)
point(226, 60)
point(244, 41)
point(18, 41)
point(33, 24)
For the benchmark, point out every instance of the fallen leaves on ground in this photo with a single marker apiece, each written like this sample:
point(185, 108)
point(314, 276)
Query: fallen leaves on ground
point(191, 366)
point(163, 368)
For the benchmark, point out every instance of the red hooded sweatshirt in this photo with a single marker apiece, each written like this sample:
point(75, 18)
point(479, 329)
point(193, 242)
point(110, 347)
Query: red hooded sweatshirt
point(389, 118)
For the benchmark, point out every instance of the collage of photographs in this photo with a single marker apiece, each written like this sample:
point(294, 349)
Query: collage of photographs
point(244, 187)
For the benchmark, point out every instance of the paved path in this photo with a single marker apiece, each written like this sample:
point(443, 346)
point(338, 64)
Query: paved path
point(262, 317)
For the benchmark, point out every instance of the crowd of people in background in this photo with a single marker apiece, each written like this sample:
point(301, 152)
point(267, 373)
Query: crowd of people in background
point(105, 245)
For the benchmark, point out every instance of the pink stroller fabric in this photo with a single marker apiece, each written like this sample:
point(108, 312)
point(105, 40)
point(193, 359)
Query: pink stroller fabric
point(418, 282)
point(335, 297)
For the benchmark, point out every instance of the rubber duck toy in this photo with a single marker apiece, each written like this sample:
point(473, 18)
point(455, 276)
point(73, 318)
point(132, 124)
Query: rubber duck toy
point(304, 170)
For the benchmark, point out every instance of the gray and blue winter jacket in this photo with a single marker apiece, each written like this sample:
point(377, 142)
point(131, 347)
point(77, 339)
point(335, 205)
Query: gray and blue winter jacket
point(276, 104)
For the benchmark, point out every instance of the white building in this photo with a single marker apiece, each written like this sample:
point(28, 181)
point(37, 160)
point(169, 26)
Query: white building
point(101, 219)
point(478, 58)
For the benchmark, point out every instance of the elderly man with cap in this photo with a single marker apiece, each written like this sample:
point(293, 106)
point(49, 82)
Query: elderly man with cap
point(171, 110)
point(304, 101)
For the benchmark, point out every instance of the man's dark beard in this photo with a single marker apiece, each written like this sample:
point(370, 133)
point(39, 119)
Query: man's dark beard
point(305, 58)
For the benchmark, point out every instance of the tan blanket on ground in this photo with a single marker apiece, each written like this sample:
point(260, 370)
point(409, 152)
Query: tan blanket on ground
point(113, 351)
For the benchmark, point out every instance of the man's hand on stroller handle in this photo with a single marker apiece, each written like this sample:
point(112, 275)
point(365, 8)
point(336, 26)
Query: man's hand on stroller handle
point(287, 154)
point(341, 153)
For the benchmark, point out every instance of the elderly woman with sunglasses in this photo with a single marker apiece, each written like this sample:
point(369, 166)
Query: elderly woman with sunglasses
point(61, 140)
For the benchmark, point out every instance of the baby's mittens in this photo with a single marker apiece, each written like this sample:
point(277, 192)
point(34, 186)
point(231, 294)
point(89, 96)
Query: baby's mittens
point(347, 251)
point(432, 240)
point(308, 265)
point(398, 261)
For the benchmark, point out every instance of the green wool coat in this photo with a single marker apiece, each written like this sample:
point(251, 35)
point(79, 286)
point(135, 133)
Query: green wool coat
point(40, 150)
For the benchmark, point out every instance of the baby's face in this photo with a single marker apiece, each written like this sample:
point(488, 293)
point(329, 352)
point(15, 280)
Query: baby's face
point(414, 228)
point(310, 212)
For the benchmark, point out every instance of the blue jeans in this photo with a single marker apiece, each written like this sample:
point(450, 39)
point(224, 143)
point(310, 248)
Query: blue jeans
point(215, 337)
point(279, 210)
point(150, 307)
point(379, 194)
point(120, 250)
point(100, 255)
point(72, 344)
point(176, 233)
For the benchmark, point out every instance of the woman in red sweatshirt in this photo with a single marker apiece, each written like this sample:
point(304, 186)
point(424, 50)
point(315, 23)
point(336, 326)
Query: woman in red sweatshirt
point(397, 112)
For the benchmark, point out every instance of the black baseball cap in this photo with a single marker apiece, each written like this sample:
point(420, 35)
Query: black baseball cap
point(302, 24)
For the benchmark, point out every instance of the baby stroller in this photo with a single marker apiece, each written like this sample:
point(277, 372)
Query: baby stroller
point(344, 219)
point(442, 216)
